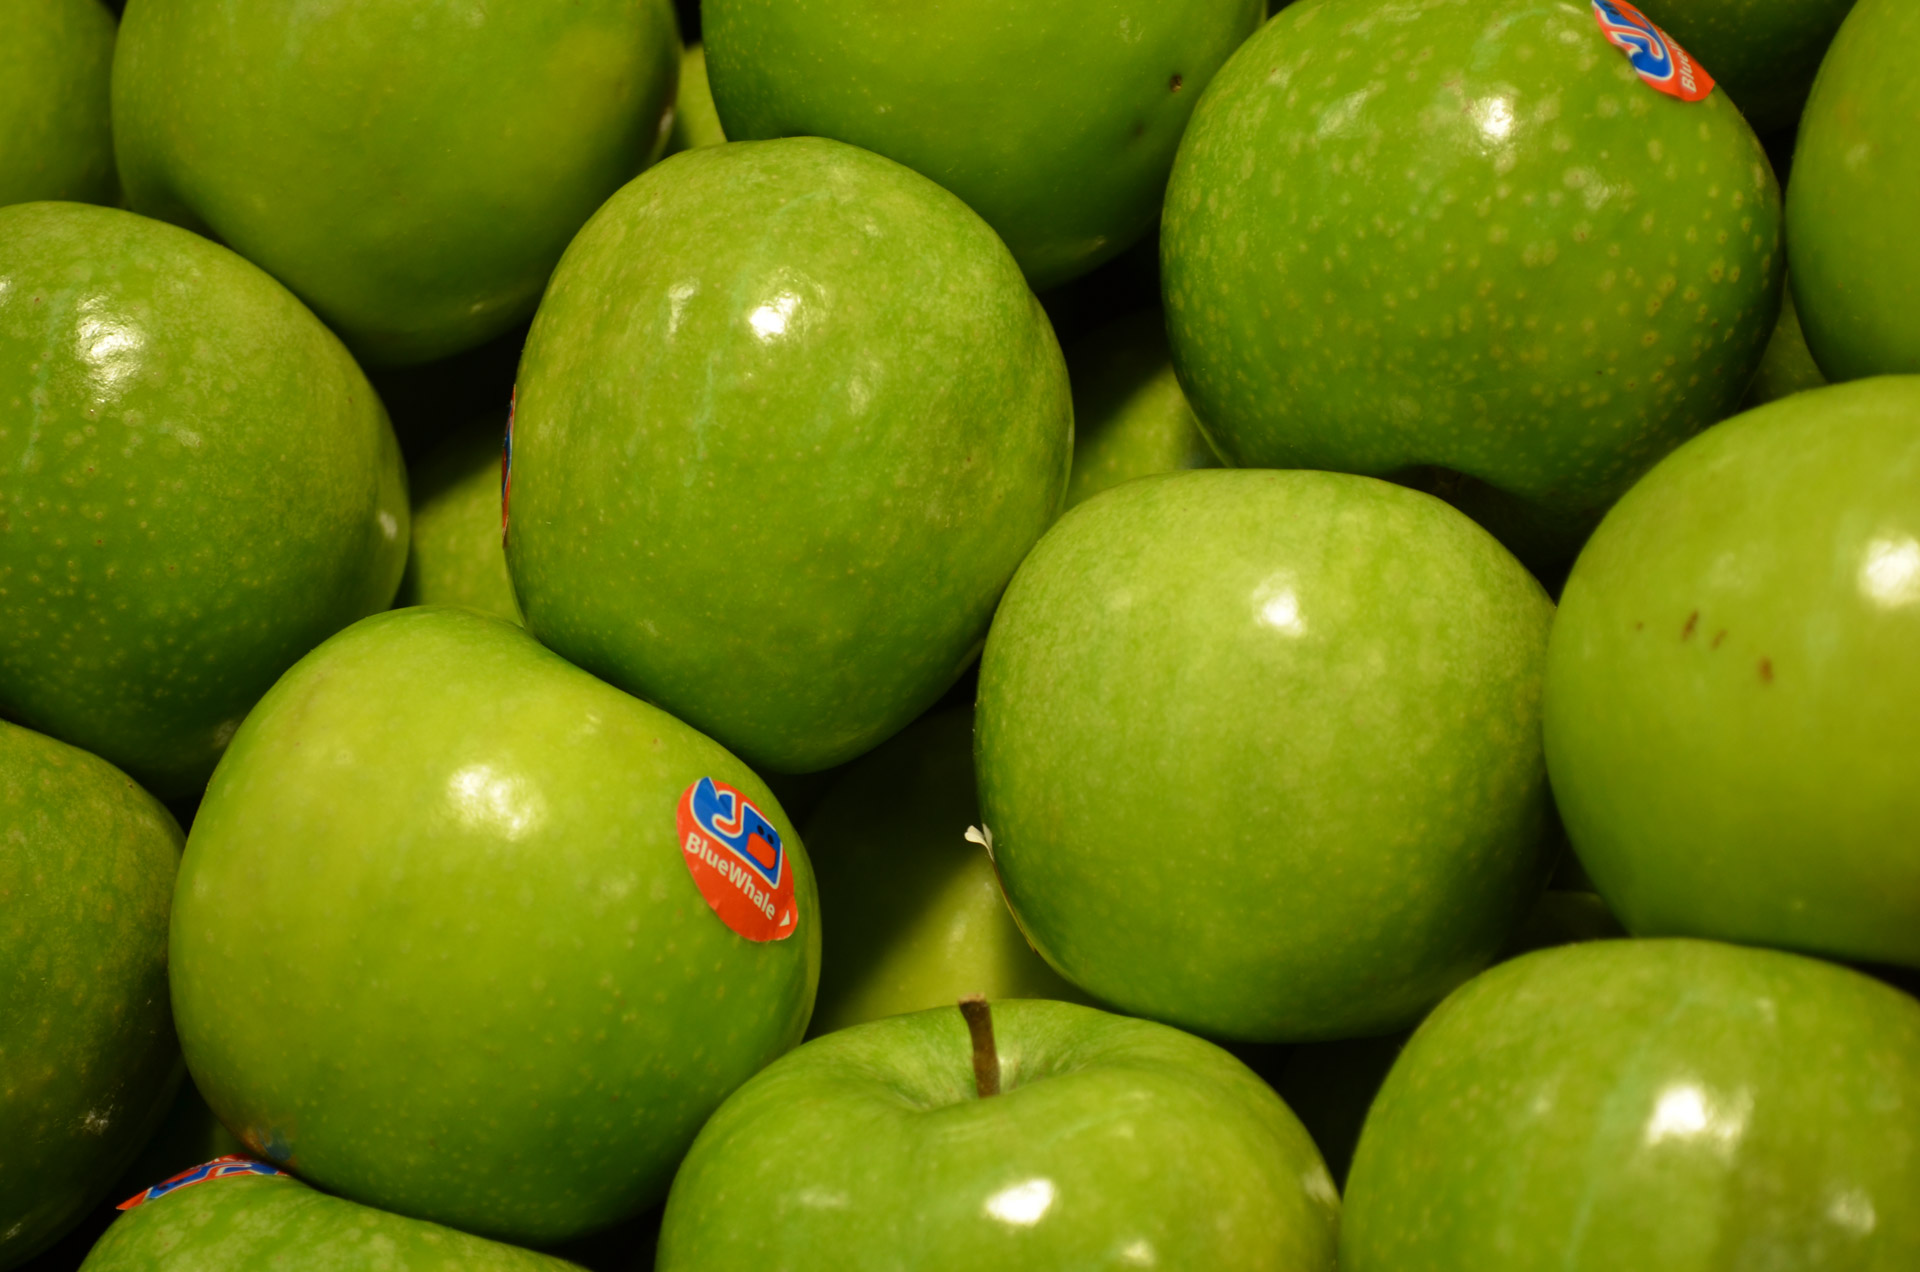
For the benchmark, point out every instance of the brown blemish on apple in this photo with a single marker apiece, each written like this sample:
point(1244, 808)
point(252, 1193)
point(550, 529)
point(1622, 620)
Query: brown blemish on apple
point(1766, 671)
point(1174, 84)
point(1717, 638)
point(1693, 621)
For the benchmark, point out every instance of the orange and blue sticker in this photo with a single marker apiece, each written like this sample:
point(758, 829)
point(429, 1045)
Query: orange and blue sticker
point(219, 1168)
point(1653, 53)
point(737, 860)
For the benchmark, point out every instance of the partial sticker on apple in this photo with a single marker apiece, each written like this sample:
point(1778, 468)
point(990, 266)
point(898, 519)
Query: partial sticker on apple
point(506, 464)
point(1659, 61)
point(218, 1168)
point(737, 861)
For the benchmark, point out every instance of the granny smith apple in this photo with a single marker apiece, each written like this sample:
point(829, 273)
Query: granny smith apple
point(201, 487)
point(788, 420)
point(1762, 53)
point(1056, 122)
point(1475, 238)
point(55, 138)
point(1057, 1136)
point(1733, 689)
point(88, 1060)
point(1788, 366)
point(1259, 751)
point(466, 934)
point(1680, 1105)
point(411, 170)
point(696, 122)
point(457, 558)
point(245, 1220)
point(1850, 207)
point(1130, 418)
point(911, 912)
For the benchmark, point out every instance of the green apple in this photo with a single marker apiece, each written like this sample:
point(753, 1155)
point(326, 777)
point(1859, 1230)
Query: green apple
point(1062, 1138)
point(911, 911)
point(201, 487)
point(1130, 418)
point(788, 420)
point(88, 1060)
point(1733, 688)
point(1850, 206)
point(410, 169)
point(1259, 751)
point(439, 945)
point(246, 1221)
point(1762, 53)
point(1409, 234)
point(457, 557)
point(1056, 122)
point(696, 122)
point(1788, 366)
point(1675, 1105)
point(55, 137)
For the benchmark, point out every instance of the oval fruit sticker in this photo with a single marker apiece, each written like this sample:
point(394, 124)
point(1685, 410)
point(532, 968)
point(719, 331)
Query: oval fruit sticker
point(218, 1168)
point(737, 861)
point(1660, 62)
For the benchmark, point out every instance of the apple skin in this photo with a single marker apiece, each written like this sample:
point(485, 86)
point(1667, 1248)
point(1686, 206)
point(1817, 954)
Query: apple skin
point(1113, 1143)
point(275, 1221)
point(788, 420)
point(1057, 123)
point(696, 122)
point(1788, 366)
point(1762, 53)
point(911, 910)
point(207, 489)
point(54, 67)
point(1510, 258)
point(88, 1060)
point(1856, 182)
point(412, 171)
point(1733, 686)
point(456, 557)
point(1260, 751)
point(1679, 1105)
point(1130, 418)
point(438, 872)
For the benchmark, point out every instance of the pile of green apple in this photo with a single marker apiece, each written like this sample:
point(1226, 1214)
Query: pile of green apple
point(1089, 634)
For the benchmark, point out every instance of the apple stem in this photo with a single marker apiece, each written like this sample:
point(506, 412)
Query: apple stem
point(986, 1059)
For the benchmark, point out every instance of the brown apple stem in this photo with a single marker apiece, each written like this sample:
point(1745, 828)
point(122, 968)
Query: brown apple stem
point(986, 1060)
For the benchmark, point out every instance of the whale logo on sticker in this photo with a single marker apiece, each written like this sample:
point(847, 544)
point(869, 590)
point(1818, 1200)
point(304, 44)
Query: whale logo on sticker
point(506, 464)
point(737, 860)
point(1659, 61)
point(219, 1168)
